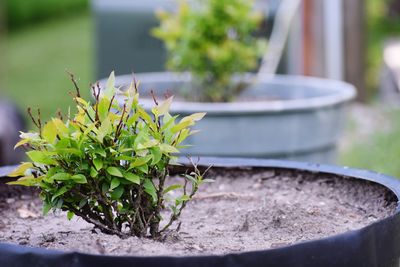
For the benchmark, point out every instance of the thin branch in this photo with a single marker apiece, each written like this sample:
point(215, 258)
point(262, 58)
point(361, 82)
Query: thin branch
point(32, 118)
point(39, 121)
point(84, 109)
point(111, 101)
point(72, 77)
point(96, 97)
point(96, 223)
point(120, 124)
point(98, 90)
point(135, 83)
point(154, 97)
point(59, 114)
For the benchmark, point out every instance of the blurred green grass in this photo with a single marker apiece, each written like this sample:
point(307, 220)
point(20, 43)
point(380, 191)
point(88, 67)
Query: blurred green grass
point(22, 13)
point(37, 60)
point(380, 152)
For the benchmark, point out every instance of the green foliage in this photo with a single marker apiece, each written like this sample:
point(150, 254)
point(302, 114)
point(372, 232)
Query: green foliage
point(213, 39)
point(22, 13)
point(108, 163)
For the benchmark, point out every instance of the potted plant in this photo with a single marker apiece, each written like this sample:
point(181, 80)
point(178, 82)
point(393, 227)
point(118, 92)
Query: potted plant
point(108, 169)
point(211, 46)
point(109, 164)
point(131, 21)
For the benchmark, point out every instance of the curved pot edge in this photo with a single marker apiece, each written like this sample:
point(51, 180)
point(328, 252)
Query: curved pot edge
point(346, 93)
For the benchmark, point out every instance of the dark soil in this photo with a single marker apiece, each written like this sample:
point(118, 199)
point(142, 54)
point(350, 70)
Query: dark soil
point(239, 212)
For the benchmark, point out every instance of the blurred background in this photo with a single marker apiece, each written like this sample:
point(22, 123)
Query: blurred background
point(352, 40)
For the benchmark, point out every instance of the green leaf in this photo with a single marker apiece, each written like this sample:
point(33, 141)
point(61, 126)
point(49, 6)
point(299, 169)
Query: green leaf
point(140, 161)
point(46, 207)
point(42, 157)
point(104, 129)
point(168, 121)
point(133, 119)
point(49, 132)
point(114, 171)
point(82, 101)
point(59, 192)
point(143, 168)
point(90, 128)
point(164, 107)
point(190, 178)
point(181, 199)
point(21, 169)
point(147, 118)
point(61, 176)
point(50, 173)
point(185, 198)
point(194, 117)
point(172, 188)
point(132, 177)
point(98, 163)
point(62, 129)
point(181, 125)
point(110, 89)
point(66, 151)
point(93, 172)
point(63, 143)
point(21, 142)
point(156, 154)
point(104, 188)
point(70, 215)
point(114, 183)
point(26, 181)
point(148, 144)
point(103, 108)
point(165, 148)
point(101, 152)
point(184, 133)
point(117, 192)
point(150, 189)
point(79, 178)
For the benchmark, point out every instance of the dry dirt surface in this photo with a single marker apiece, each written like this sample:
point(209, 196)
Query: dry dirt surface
point(243, 210)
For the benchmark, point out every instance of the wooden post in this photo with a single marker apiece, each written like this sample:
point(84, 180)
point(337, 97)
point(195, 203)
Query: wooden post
point(313, 39)
point(308, 44)
point(354, 47)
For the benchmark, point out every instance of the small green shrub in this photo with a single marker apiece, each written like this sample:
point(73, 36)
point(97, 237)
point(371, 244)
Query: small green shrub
point(108, 164)
point(213, 39)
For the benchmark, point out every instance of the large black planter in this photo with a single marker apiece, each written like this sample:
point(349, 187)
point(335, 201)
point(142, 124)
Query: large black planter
point(376, 245)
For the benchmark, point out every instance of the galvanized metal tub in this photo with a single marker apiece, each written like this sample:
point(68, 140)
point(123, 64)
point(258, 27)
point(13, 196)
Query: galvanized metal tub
point(292, 117)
